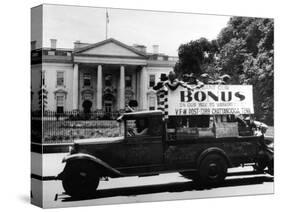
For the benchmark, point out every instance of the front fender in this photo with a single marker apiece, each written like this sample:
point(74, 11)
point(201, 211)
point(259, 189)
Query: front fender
point(213, 150)
point(82, 156)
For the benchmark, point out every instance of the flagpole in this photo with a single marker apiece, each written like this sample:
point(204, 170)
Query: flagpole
point(106, 25)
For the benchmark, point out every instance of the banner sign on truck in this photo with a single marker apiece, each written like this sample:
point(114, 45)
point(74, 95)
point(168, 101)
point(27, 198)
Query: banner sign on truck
point(211, 100)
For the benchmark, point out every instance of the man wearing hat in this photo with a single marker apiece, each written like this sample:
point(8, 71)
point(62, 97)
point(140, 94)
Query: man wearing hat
point(172, 81)
point(257, 127)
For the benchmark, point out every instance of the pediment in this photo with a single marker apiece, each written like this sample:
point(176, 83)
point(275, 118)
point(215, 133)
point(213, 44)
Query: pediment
point(110, 47)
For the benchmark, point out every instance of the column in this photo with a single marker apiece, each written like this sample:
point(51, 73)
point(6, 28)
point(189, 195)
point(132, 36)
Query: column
point(134, 85)
point(99, 88)
point(143, 88)
point(122, 88)
point(75, 86)
point(138, 87)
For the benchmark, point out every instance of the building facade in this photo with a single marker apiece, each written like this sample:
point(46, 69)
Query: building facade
point(104, 76)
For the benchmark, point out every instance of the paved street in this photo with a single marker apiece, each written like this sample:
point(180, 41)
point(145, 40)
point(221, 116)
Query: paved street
point(163, 187)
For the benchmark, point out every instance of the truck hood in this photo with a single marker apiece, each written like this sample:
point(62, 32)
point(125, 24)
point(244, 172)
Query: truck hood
point(104, 140)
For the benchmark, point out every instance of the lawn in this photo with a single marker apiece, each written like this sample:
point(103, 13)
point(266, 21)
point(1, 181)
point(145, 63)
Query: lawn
point(67, 131)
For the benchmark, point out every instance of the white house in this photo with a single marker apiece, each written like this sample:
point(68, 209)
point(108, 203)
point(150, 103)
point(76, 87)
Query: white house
point(103, 76)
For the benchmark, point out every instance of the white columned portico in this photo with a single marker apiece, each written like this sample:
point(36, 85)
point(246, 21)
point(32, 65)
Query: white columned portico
point(122, 88)
point(75, 86)
point(99, 87)
point(143, 88)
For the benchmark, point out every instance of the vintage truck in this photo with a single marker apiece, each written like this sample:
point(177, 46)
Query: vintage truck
point(150, 146)
point(199, 147)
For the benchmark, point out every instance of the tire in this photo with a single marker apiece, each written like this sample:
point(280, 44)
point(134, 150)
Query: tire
point(212, 170)
point(260, 166)
point(81, 179)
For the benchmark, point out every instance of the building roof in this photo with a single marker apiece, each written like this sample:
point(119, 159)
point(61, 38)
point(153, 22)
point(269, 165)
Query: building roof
point(62, 55)
point(110, 40)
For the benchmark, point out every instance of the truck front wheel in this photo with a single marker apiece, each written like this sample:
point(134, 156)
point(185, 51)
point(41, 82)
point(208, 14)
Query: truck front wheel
point(81, 179)
point(212, 169)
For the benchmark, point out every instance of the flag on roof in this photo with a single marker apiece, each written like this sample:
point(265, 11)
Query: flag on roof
point(107, 17)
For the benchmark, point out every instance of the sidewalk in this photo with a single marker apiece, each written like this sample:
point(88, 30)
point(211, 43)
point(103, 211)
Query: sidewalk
point(51, 164)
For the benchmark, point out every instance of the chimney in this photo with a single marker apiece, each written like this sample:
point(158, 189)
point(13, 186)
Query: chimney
point(155, 49)
point(53, 43)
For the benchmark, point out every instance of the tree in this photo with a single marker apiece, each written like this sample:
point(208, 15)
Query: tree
point(232, 56)
point(193, 55)
point(246, 53)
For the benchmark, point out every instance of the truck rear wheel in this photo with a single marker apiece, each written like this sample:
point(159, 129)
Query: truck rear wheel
point(81, 179)
point(212, 169)
point(260, 166)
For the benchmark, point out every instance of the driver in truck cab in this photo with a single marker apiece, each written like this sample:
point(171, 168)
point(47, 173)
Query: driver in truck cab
point(140, 128)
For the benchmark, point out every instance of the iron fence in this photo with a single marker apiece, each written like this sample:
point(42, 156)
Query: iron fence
point(54, 127)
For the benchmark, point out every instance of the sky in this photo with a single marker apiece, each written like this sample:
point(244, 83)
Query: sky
point(68, 24)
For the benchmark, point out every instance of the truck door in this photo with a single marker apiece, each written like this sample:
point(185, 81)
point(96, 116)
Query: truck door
point(143, 146)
